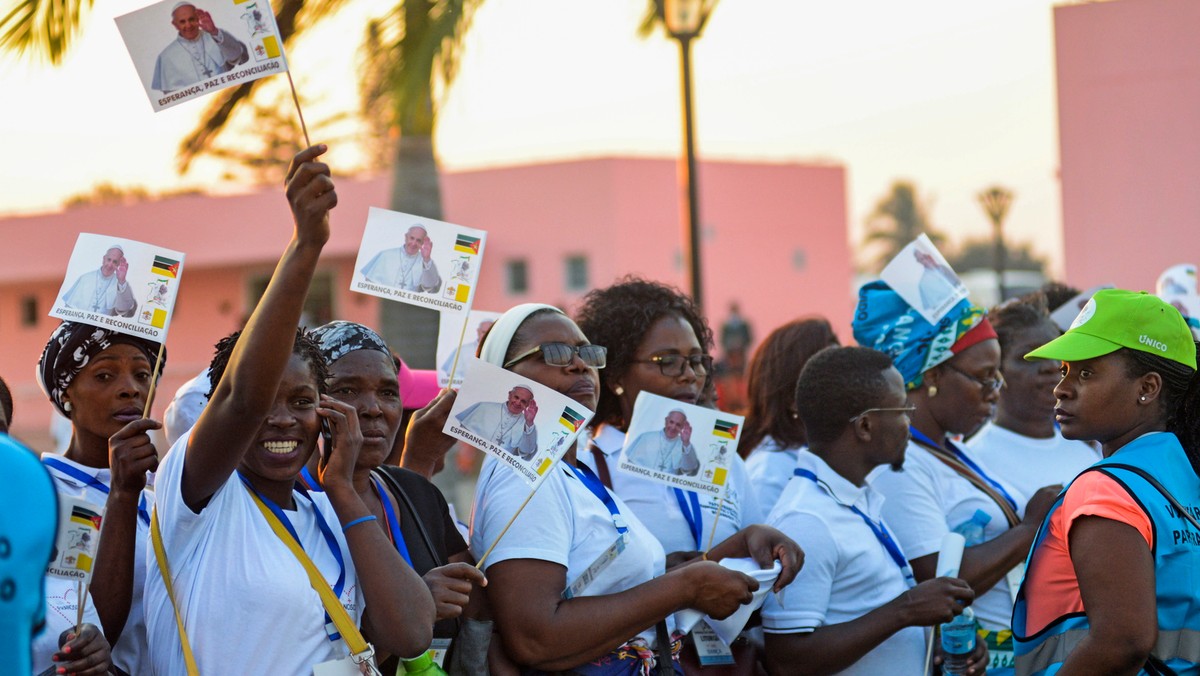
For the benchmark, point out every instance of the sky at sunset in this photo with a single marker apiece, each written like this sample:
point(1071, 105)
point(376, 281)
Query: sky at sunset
point(952, 95)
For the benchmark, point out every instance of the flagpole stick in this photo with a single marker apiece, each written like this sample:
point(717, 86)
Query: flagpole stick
point(81, 592)
point(154, 379)
point(713, 533)
point(300, 113)
point(458, 352)
point(479, 566)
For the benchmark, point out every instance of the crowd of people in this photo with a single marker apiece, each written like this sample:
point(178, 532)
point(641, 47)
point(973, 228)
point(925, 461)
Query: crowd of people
point(292, 528)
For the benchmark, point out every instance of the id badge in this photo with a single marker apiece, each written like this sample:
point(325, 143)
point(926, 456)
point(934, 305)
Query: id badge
point(709, 647)
point(438, 650)
point(1014, 578)
point(593, 571)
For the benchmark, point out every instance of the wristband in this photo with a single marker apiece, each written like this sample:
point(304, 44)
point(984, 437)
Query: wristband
point(361, 519)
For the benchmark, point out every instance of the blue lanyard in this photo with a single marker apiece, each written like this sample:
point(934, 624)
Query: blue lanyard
point(690, 506)
point(881, 532)
point(593, 484)
point(393, 525)
point(326, 531)
point(93, 482)
point(310, 482)
point(962, 457)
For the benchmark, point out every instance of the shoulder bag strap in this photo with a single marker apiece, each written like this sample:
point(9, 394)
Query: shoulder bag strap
point(403, 498)
point(601, 465)
point(360, 650)
point(958, 466)
point(160, 555)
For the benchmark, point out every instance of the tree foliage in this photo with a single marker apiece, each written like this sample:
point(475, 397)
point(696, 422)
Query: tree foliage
point(898, 218)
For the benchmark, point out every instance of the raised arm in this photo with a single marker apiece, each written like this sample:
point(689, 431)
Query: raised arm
point(543, 631)
point(246, 391)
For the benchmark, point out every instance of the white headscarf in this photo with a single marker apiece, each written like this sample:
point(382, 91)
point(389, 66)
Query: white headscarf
point(499, 338)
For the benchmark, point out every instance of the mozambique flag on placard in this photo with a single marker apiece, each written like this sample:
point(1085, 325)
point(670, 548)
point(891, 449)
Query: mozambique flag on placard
point(466, 244)
point(165, 266)
point(86, 517)
point(570, 419)
point(724, 429)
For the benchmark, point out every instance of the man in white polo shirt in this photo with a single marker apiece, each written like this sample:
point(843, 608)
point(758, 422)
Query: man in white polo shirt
point(853, 608)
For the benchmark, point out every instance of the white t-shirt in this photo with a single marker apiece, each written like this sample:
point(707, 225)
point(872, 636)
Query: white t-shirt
point(564, 523)
point(658, 507)
point(130, 651)
point(769, 468)
point(61, 612)
point(847, 572)
point(246, 602)
point(928, 500)
point(1028, 463)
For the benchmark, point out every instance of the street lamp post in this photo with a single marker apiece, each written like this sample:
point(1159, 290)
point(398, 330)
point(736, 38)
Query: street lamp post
point(996, 201)
point(684, 19)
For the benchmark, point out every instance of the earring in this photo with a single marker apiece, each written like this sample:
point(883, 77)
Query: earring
point(933, 391)
point(618, 390)
point(1142, 398)
point(67, 406)
point(795, 415)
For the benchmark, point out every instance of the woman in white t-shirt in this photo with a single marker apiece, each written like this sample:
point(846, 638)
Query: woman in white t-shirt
point(774, 434)
point(951, 372)
point(242, 593)
point(550, 617)
point(100, 380)
point(1022, 445)
point(658, 342)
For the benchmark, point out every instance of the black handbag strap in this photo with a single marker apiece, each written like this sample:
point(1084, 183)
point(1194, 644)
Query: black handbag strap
point(412, 513)
point(666, 664)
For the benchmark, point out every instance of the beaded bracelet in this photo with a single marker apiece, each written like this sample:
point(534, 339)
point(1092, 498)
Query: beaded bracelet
point(361, 519)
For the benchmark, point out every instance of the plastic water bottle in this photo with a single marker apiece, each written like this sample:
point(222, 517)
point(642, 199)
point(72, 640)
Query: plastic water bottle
point(420, 666)
point(958, 642)
point(972, 531)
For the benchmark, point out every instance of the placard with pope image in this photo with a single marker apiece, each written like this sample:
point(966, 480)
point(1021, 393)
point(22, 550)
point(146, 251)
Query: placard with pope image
point(185, 49)
point(526, 425)
point(418, 261)
point(120, 284)
point(683, 445)
point(923, 278)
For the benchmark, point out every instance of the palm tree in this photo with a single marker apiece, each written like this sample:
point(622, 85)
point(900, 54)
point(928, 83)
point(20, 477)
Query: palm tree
point(897, 219)
point(410, 57)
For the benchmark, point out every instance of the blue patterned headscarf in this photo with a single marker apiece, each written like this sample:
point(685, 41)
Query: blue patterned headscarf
point(885, 322)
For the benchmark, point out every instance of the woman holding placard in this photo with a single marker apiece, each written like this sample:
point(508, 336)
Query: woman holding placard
point(101, 380)
point(254, 573)
point(550, 616)
point(659, 343)
point(951, 371)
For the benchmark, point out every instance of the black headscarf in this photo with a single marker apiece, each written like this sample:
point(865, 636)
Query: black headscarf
point(72, 346)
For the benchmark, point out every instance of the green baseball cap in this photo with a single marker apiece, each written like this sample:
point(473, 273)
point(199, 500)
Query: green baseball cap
point(1115, 318)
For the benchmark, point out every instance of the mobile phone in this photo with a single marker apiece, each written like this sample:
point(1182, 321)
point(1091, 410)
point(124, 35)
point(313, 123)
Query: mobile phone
point(326, 443)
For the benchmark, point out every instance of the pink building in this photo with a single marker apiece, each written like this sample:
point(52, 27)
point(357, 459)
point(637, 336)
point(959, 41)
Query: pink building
point(1129, 101)
point(775, 240)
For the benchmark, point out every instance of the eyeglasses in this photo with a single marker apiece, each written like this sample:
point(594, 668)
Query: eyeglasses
point(987, 385)
point(562, 354)
point(671, 365)
point(906, 410)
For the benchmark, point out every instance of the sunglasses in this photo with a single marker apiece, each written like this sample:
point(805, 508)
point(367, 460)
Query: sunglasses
point(562, 354)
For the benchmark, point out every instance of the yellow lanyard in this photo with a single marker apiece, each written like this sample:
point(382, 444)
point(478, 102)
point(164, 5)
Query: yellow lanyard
point(360, 650)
